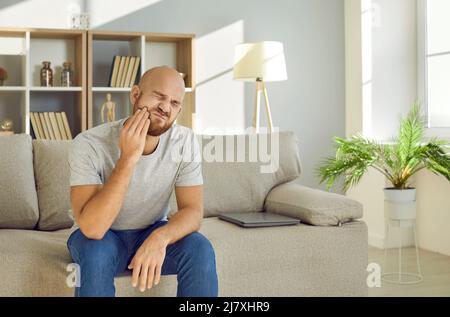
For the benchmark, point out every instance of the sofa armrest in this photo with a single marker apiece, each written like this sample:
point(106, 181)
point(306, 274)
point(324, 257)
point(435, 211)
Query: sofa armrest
point(312, 206)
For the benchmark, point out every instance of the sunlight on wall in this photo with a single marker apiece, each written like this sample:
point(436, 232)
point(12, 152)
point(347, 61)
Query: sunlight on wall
point(104, 11)
point(438, 63)
point(366, 42)
point(220, 100)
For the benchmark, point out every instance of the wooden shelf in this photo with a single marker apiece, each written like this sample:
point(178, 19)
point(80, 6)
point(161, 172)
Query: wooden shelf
point(49, 89)
point(12, 88)
point(111, 89)
point(122, 89)
point(13, 54)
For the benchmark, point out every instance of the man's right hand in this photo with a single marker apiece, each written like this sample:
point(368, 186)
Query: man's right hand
point(133, 135)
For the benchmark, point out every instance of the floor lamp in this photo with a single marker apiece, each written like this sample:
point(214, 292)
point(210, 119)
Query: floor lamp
point(260, 62)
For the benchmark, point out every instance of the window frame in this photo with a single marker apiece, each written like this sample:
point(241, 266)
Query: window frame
point(422, 69)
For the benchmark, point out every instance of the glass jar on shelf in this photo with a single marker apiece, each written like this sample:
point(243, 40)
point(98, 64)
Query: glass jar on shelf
point(46, 75)
point(67, 75)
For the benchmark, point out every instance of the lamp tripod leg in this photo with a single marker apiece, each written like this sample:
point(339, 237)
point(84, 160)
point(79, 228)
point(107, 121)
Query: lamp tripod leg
point(269, 114)
point(257, 107)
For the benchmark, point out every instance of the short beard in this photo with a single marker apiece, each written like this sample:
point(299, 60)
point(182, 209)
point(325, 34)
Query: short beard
point(158, 131)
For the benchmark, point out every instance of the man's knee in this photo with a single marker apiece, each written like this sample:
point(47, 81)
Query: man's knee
point(200, 250)
point(88, 251)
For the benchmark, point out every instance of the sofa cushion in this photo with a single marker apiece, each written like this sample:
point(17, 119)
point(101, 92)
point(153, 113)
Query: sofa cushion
point(240, 184)
point(18, 198)
point(52, 182)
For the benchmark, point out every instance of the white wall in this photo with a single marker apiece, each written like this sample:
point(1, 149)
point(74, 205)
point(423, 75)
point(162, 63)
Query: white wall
point(393, 61)
point(433, 212)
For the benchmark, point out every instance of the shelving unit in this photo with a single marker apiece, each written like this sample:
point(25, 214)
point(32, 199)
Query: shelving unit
point(21, 54)
point(154, 49)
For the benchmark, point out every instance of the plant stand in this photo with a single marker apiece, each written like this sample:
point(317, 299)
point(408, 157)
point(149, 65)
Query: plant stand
point(400, 276)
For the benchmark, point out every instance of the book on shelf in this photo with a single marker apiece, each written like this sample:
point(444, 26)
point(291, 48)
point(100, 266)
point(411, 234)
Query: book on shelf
point(126, 82)
point(39, 125)
point(44, 126)
point(114, 71)
point(60, 122)
point(135, 71)
point(35, 127)
point(120, 71)
point(123, 71)
point(50, 125)
point(66, 125)
point(54, 124)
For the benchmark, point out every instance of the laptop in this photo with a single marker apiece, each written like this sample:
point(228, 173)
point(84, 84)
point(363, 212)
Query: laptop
point(258, 219)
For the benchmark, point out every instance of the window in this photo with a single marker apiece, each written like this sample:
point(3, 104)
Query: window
point(434, 60)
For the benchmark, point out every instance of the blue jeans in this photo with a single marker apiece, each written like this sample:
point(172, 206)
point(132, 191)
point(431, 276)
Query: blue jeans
point(191, 258)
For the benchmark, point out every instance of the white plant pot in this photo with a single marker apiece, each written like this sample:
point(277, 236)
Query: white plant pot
point(400, 205)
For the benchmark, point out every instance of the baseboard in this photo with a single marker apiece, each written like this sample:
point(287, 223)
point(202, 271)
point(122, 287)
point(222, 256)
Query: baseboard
point(376, 241)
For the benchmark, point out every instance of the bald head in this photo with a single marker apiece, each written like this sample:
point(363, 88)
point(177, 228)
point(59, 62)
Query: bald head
point(161, 73)
point(160, 90)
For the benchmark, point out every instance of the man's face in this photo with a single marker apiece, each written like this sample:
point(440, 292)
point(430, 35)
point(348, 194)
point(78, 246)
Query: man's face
point(164, 104)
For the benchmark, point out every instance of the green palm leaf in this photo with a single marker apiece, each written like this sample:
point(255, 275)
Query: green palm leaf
point(397, 161)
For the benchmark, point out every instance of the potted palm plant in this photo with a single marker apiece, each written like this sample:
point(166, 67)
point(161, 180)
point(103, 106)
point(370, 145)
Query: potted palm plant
point(397, 161)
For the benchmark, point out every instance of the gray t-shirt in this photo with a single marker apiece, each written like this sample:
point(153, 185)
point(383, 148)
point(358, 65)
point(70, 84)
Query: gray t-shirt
point(176, 161)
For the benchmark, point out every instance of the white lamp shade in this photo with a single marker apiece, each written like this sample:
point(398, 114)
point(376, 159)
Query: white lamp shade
point(263, 60)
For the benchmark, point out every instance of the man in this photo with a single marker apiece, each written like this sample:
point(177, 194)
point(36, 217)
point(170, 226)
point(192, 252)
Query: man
point(122, 176)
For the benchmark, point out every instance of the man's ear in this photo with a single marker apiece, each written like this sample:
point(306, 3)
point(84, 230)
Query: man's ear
point(134, 94)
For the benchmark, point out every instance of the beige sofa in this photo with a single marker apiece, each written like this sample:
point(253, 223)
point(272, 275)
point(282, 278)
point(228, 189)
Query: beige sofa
point(326, 255)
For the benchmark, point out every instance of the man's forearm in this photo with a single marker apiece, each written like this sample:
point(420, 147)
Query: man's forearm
point(182, 223)
point(102, 209)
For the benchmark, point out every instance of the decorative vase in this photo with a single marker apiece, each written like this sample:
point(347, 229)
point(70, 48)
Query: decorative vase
point(46, 75)
point(67, 75)
point(400, 205)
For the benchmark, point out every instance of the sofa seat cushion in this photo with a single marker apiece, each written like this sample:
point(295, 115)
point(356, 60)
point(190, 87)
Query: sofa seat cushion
point(297, 260)
point(18, 198)
point(35, 263)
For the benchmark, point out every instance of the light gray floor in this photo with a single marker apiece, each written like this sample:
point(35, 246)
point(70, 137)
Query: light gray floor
point(435, 271)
